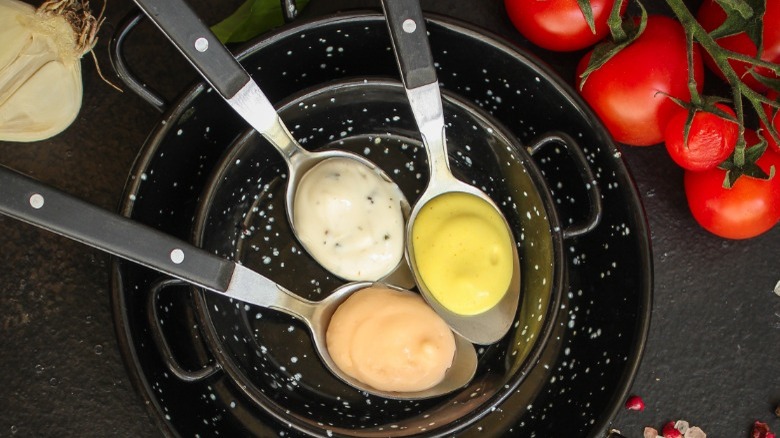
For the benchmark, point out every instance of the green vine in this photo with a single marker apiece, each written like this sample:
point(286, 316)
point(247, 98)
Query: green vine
point(738, 164)
point(742, 16)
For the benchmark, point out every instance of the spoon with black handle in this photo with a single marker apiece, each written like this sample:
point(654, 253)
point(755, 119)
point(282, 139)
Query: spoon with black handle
point(413, 54)
point(179, 23)
point(30, 201)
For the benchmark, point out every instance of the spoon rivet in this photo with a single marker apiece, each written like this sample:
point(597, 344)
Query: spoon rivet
point(409, 25)
point(201, 44)
point(177, 256)
point(36, 201)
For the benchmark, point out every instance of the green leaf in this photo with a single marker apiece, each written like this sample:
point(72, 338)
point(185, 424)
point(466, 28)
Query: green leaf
point(624, 32)
point(707, 104)
point(587, 11)
point(251, 19)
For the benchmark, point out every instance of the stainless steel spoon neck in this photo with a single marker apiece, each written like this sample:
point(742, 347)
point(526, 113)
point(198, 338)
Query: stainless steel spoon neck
point(428, 112)
point(249, 286)
point(251, 103)
point(292, 152)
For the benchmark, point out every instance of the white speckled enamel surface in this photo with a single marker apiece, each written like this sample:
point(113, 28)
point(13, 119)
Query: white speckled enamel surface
point(270, 384)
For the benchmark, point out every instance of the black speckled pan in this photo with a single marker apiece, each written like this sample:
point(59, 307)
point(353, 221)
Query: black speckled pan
point(242, 217)
point(208, 367)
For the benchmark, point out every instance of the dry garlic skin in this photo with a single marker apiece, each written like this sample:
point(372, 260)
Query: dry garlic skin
point(40, 73)
point(13, 15)
point(390, 340)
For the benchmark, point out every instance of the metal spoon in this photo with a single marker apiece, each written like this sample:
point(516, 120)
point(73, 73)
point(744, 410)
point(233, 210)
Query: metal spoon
point(30, 201)
point(410, 43)
point(219, 68)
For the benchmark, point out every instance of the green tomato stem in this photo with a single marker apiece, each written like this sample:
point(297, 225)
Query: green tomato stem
point(721, 58)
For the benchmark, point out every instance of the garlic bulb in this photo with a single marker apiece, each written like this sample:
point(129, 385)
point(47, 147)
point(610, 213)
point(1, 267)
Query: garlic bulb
point(40, 66)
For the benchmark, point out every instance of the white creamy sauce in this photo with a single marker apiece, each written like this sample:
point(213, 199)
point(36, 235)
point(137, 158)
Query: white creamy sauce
point(350, 219)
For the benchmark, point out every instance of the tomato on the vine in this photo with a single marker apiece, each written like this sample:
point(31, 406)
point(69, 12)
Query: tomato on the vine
point(560, 24)
point(710, 15)
point(630, 92)
point(749, 208)
point(711, 138)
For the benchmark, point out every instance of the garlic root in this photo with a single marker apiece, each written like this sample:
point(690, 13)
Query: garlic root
point(40, 66)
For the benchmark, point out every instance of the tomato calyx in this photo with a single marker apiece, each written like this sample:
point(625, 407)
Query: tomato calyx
point(748, 166)
point(623, 31)
point(699, 103)
point(587, 12)
point(742, 16)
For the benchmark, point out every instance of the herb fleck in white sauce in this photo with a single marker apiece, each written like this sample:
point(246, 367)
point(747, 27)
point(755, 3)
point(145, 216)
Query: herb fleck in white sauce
point(350, 219)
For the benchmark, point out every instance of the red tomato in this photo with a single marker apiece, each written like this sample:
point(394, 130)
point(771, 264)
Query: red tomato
point(751, 207)
point(773, 95)
point(628, 92)
point(711, 139)
point(711, 15)
point(559, 24)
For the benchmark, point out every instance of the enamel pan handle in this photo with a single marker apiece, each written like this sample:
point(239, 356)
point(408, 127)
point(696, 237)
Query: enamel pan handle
point(198, 44)
point(407, 31)
point(574, 151)
point(30, 201)
point(125, 71)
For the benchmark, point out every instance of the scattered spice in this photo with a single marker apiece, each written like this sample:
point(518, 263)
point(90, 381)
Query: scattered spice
point(678, 429)
point(695, 432)
point(635, 403)
point(681, 429)
point(761, 430)
point(670, 431)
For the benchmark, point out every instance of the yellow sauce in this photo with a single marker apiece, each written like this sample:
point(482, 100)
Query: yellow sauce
point(463, 252)
point(390, 340)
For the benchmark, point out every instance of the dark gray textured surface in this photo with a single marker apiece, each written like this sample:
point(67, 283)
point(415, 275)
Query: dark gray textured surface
point(712, 356)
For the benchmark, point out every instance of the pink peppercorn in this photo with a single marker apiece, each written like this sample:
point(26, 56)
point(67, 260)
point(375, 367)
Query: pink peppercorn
point(669, 431)
point(761, 430)
point(635, 403)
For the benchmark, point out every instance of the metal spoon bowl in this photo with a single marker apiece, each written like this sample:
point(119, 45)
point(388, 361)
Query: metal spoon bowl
point(226, 75)
point(410, 44)
point(29, 201)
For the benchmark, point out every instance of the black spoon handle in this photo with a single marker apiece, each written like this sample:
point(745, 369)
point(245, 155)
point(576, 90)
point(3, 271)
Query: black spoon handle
point(407, 31)
point(199, 45)
point(35, 203)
